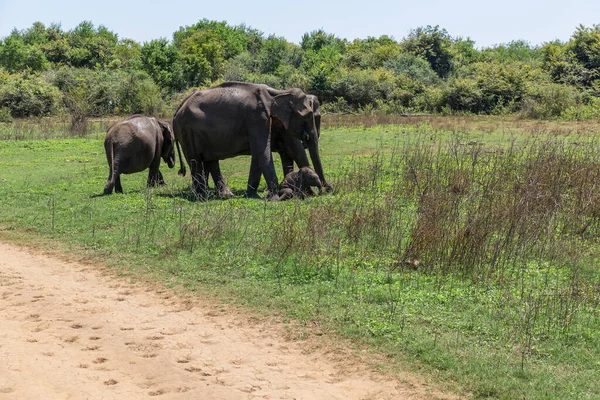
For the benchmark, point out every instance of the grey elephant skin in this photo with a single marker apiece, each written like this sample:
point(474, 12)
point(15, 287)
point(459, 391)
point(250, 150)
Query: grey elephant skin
point(290, 149)
point(299, 183)
point(234, 119)
point(135, 144)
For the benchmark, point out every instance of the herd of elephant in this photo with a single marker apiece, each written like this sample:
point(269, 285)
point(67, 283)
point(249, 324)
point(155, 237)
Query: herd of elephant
point(234, 118)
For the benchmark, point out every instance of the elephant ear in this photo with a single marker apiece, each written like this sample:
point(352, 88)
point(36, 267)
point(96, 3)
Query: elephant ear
point(284, 105)
point(167, 132)
point(281, 109)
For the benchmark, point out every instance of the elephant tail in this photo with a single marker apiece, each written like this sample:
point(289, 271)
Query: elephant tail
point(110, 157)
point(182, 167)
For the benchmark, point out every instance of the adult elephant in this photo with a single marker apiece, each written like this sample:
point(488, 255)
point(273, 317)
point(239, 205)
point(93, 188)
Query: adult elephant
point(134, 144)
point(234, 119)
point(291, 150)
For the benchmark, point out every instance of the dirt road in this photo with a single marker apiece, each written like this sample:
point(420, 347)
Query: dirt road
point(72, 331)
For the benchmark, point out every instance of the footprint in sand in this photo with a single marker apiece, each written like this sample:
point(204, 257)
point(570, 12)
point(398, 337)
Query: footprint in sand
point(158, 392)
point(71, 339)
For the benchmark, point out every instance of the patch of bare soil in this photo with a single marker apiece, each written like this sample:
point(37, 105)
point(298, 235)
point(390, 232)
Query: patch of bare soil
point(69, 331)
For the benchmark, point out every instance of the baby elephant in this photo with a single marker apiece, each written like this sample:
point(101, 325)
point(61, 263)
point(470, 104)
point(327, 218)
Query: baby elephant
point(135, 144)
point(298, 184)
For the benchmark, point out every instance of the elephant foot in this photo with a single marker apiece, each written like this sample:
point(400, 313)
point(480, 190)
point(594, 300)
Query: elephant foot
point(225, 194)
point(272, 197)
point(252, 194)
point(328, 187)
point(200, 190)
point(201, 196)
point(156, 182)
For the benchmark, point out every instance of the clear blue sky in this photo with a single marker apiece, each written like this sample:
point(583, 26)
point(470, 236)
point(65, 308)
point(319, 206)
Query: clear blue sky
point(486, 22)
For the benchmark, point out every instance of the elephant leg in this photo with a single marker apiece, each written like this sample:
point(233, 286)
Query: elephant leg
point(253, 179)
point(110, 183)
point(260, 148)
point(287, 163)
point(118, 187)
point(295, 149)
point(199, 176)
point(155, 178)
point(221, 188)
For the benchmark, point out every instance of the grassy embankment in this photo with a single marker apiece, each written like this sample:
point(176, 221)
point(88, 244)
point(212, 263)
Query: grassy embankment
point(466, 247)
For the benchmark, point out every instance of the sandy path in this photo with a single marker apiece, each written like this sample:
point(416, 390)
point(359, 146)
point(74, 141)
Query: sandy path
point(67, 331)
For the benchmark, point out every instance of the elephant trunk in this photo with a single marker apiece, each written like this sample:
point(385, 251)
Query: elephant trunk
point(313, 149)
point(319, 185)
point(182, 167)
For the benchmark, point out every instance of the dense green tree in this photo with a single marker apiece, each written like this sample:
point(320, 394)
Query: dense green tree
point(16, 55)
point(202, 56)
point(232, 40)
point(517, 50)
point(272, 54)
point(93, 72)
point(91, 47)
point(160, 60)
point(585, 46)
point(316, 40)
point(434, 45)
point(28, 95)
point(413, 67)
point(371, 52)
point(127, 54)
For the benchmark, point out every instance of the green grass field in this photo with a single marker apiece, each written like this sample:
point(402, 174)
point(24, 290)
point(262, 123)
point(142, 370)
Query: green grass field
point(466, 252)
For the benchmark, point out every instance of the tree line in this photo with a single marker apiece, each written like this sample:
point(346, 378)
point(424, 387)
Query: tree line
point(90, 71)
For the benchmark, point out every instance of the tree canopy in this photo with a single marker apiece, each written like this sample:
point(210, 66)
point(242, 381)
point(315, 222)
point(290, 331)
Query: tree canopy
point(429, 70)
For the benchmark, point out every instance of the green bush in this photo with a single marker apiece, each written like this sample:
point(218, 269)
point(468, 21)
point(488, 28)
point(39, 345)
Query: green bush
point(338, 106)
point(582, 112)
point(28, 95)
point(362, 87)
point(549, 101)
point(5, 115)
point(109, 92)
point(432, 99)
point(414, 67)
point(464, 95)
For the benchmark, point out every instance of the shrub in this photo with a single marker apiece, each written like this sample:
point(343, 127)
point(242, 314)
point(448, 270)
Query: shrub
point(583, 112)
point(362, 87)
point(432, 99)
point(338, 106)
point(464, 95)
point(414, 67)
point(28, 95)
point(5, 115)
point(549, 100)
point(109, 92)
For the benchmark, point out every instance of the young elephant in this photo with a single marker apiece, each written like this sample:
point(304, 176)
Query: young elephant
point(298, 184)
point(135, 144)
